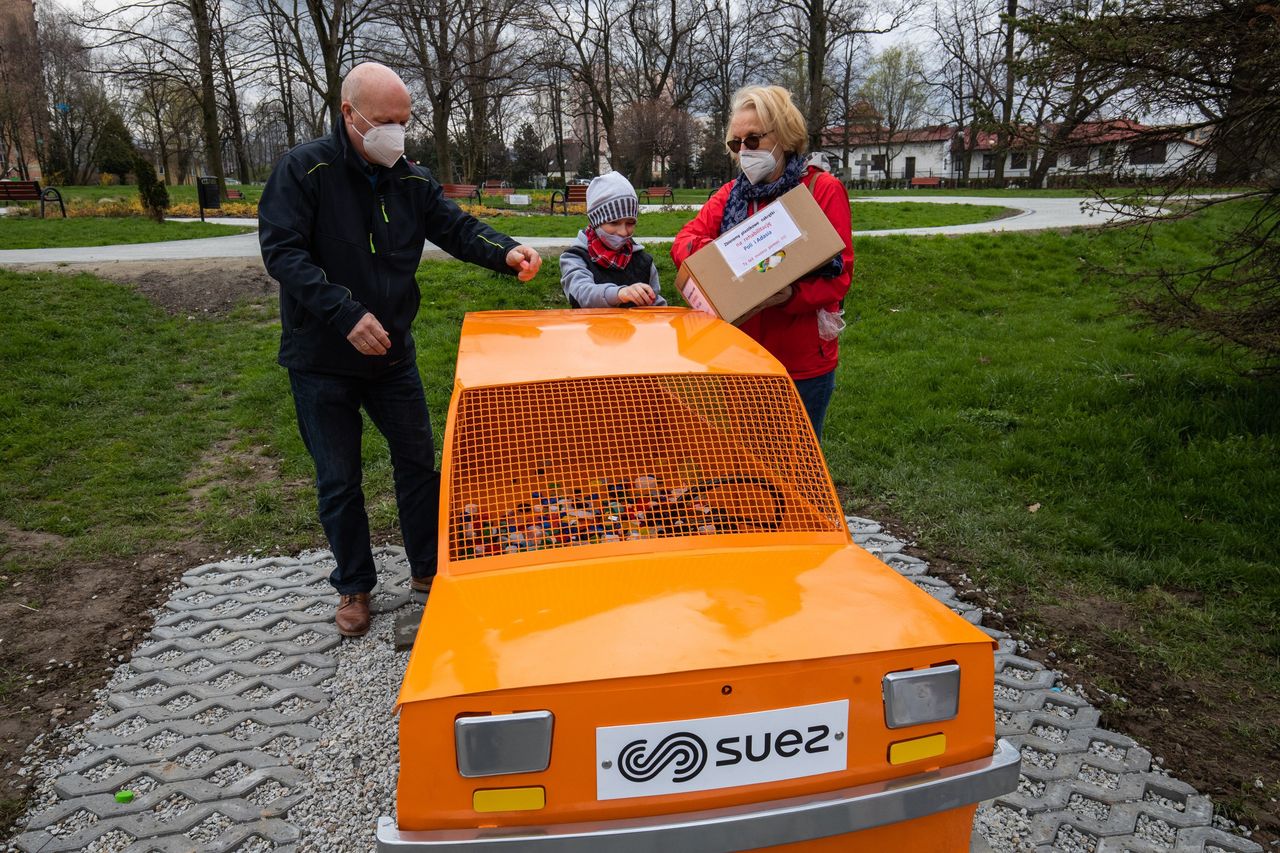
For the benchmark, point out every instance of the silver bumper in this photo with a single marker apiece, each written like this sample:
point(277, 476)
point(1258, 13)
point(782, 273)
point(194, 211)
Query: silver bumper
point(746, 827)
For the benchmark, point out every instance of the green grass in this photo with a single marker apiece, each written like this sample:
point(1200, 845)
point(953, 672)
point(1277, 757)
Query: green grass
point(866, 217)
point(986, 375)
point(879, 216)
point(106, 408)
point(26, 233)
point(980, 376)
point(178, 193)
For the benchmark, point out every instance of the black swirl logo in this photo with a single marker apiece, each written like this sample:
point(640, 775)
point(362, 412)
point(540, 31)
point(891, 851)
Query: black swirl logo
point(684, 751)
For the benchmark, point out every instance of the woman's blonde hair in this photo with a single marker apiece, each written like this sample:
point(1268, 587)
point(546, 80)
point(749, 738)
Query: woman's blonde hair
point(778, 113)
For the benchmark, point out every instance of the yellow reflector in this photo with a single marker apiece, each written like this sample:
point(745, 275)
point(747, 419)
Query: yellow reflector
point(907, 751)
point(508, 799)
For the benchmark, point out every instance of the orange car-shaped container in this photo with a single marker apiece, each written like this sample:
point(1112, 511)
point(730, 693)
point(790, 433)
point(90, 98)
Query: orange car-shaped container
point(651, 630)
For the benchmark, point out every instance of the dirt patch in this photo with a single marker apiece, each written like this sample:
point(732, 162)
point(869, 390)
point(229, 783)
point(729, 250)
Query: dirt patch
point(1220, 736)
point(228, 464)
point(27, 541)
point(208, 287)
point(62, 631)
point(205, 287)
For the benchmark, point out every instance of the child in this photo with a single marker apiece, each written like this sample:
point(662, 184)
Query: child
point(605, 268)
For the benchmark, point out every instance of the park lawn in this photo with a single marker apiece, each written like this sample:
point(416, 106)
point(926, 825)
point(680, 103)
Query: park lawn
point(879, 216)
point(666, 223)
point(177, 193)
point(981, 377)
point(59, 233)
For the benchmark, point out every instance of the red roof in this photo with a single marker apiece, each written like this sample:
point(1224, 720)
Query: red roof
point(1088, 133)
point(863, 135)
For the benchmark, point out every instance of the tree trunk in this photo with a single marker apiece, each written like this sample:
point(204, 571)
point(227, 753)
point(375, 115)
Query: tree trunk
point(440, 128)
point(208, 97)
point(557, 113)
point(1006, 107)
point(816, 70)
point(233, 112)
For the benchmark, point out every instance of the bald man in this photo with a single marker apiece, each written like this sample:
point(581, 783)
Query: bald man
point(342, 223)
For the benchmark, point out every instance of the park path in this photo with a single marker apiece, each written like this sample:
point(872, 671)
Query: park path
point(1033, 214)
point(239, 717)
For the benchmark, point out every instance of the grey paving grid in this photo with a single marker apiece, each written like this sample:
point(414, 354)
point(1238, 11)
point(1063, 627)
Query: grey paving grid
point(205, 722)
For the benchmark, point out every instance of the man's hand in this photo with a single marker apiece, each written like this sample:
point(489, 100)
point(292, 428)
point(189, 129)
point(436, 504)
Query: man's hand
point(637, 294)
point(368, 336)
point(525, 261)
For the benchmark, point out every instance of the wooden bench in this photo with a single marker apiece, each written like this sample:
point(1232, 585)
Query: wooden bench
point(501, 188)
point(31, 191)
point(650, 193)
point(572, 194)
point(235, 195)
point(926, 182)
point(461, 191)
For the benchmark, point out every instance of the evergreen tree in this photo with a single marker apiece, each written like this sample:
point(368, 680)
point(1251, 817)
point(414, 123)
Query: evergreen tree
point(527, 160)
point(115, 148)
point(152, 191)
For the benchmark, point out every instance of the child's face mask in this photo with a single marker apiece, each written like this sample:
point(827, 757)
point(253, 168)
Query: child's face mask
point(613, 241)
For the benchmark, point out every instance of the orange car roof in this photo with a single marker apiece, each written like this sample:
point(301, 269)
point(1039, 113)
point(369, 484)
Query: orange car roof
point(512, 347)
point(592, 620)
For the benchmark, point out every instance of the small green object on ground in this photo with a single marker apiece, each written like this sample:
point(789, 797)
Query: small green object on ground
point(124, 796)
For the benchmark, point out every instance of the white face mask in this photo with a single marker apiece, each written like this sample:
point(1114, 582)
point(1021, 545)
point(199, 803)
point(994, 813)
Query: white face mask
point(757, 165)
point(384, 143)
point(613, 241)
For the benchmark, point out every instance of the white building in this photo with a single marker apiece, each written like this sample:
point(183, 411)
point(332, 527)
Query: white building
point(875, 155)
point(1119, 147)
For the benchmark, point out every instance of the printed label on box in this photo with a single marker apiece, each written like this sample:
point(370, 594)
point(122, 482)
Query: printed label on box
point(696, 300)
point(758, 238)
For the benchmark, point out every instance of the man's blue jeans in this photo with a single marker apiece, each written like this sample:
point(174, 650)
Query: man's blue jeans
point(328, 408)
point(816, 393)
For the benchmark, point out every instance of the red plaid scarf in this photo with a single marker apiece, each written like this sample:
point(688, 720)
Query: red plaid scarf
point(604, 256)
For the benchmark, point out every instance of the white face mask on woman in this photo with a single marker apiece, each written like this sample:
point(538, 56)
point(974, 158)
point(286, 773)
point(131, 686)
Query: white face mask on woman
point(757, 165)
point(384, 143)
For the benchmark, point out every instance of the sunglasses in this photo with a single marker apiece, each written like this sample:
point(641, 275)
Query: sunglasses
point(751, 141)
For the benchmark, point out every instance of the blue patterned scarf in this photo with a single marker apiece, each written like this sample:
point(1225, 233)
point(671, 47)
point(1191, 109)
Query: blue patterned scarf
point(744, 192)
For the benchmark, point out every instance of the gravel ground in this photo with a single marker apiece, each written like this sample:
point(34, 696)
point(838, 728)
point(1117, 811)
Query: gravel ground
point(341, 774)
point(357, 757)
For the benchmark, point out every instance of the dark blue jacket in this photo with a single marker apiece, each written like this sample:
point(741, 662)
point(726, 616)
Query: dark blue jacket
point(342, 245)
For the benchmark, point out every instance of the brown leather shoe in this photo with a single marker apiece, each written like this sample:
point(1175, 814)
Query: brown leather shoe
point(352, 615)
point(422, 585)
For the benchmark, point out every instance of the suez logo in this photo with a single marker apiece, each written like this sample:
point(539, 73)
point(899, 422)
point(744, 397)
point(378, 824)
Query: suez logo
point(719, 752)
point(687, 754)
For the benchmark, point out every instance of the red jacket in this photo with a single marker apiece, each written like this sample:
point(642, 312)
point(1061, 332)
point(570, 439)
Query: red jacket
point(790, 330)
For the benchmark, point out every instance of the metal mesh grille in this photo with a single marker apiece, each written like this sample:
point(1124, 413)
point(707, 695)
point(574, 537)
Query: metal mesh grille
point(557, 464)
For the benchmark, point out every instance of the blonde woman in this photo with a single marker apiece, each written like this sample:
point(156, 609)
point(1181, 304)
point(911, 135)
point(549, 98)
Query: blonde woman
point(799, 326)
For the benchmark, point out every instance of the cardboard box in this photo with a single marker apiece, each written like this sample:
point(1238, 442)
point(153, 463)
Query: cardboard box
point(752, 261)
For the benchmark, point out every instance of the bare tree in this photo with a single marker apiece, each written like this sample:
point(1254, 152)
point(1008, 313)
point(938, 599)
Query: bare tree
point(589, 43)
point(80, 104)
point(492, 71)
point(967, 37)
point(322, 36)
point(177, 31)
point(664, 49)
point(897, 91)
point(813, 30)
